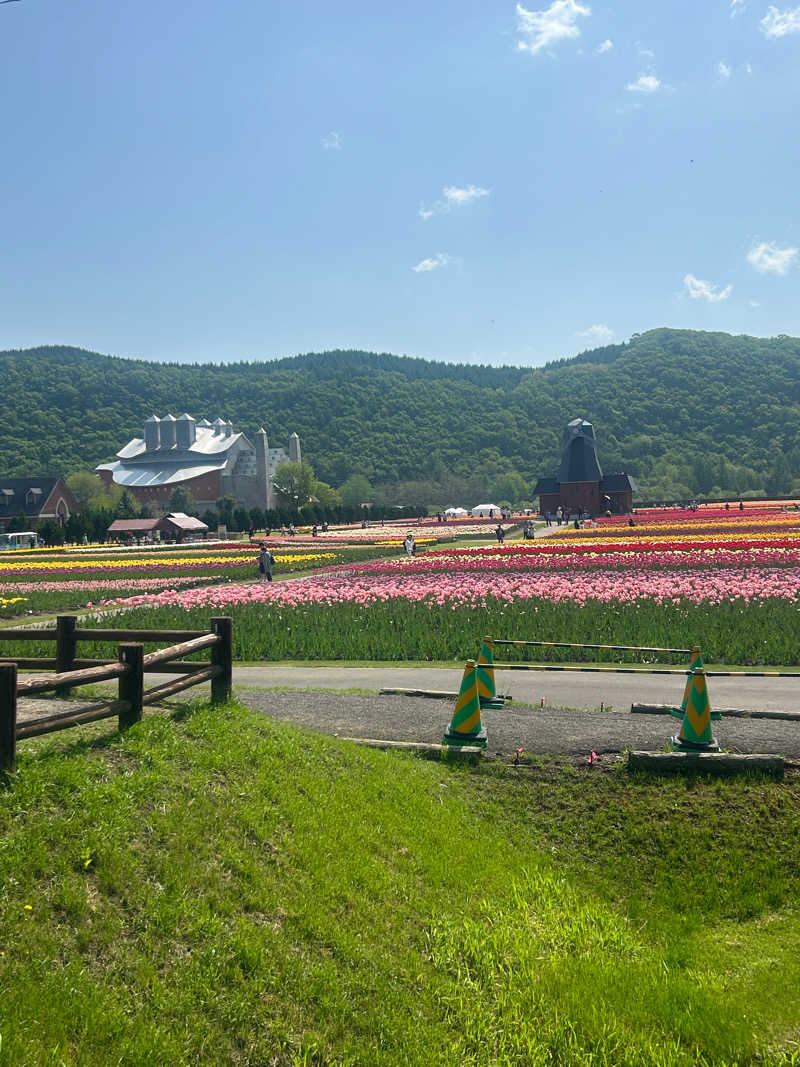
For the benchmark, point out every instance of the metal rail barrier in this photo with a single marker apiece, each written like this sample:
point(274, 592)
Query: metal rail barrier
point(575, 644)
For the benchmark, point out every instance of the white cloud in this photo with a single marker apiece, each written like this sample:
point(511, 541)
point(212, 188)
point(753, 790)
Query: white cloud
point(599, 333)
point(697, 289)
point(748, 69)
point(540, 29)
point(778, 23)
point(645, 83)
point(768, 258)
point(606, 46)
point(458, 196)
point(737, 7)
point(723, 70)
point(452, 196)
point(332, 140)
point(755, 303)
point(441, 259)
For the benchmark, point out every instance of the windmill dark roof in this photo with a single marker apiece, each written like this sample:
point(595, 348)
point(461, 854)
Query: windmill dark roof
point(579, 461)
point(617, 483)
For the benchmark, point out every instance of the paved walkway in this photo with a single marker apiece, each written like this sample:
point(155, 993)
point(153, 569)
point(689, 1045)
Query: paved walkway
point(563, 690)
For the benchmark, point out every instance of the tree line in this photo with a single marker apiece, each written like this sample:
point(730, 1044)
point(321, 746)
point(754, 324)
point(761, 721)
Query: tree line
point(685, 413)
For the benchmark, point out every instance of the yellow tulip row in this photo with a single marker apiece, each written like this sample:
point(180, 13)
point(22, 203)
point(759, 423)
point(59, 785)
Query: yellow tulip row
point(150, 562)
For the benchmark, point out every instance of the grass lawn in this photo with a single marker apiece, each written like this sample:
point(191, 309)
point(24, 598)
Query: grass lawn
point(212, 887)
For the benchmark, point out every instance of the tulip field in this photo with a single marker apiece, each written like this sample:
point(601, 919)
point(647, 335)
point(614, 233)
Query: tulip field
point(45, 580)
point(728, 582)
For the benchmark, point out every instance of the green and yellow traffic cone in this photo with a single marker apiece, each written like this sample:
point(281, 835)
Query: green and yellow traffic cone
point(696, 664)
point(695, 733)
point(487, 694)
point(465, 727)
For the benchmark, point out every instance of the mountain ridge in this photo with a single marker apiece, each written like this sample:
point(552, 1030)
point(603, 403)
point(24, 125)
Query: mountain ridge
point(678, 409)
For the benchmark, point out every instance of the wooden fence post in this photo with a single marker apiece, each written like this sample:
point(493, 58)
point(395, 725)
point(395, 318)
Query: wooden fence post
point(66, 646)
point(222, 656)
point(8, 717)
point(131, 684)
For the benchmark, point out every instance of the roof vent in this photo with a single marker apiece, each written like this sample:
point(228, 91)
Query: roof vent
point(185, 431)
point(168, 432)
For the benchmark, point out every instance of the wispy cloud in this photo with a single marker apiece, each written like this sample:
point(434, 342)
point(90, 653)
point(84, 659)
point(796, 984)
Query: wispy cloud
point(606, 46)
point(645, 83)
point(457, 196)
point(737, 7)
point(453, 196)
point(723, 70)
point(779, 23)
point(441, 259)
point(599, 333)
point(332, 140)
point(769, 258)
point(697, 289)
point(541, 29)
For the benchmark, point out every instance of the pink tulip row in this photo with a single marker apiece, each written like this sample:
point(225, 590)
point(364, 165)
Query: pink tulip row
point(488, 560)
point(102, 585)
point(624, 585)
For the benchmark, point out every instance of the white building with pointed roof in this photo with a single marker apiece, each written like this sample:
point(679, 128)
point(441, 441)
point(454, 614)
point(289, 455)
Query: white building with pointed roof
point(206, 458)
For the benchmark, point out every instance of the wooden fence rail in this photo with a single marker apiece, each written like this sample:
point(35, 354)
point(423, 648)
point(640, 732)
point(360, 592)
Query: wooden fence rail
point(128, 668)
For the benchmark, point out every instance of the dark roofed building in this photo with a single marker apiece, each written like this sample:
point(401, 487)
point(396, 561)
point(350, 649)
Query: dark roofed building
point(581, 485)
point(36, 499)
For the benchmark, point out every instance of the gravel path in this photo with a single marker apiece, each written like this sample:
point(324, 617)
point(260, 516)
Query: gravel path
point(538, 730)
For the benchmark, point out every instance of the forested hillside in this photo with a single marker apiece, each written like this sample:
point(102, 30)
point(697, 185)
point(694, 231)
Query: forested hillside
point(683, 412)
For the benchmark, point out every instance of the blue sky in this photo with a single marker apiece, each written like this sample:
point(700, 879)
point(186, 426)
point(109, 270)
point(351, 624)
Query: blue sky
point(474, 181)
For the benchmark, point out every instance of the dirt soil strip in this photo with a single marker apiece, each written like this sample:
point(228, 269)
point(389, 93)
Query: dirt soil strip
point(538, 730)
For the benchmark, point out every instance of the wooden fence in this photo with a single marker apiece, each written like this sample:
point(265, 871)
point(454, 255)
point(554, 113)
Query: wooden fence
point(128, 668)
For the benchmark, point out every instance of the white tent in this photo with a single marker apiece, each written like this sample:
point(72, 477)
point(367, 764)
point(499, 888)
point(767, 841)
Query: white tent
point(485, 509)
point(456, 512)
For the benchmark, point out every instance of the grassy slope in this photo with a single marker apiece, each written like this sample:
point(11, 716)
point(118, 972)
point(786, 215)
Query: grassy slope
point(214, 888)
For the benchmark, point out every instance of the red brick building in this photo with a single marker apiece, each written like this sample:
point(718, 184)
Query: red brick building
point(581, 487)
point(207, 459)
point(36, 500)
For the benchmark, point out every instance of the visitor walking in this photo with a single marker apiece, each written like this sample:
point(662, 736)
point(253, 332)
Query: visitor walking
point(408, 544)
point(265, 562)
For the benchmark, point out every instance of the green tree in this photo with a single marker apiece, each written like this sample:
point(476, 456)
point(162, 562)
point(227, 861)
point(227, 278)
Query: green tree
point(779, 479)
point(86, 488)
point(225, 508)
point(92, 493)
point(356, 491)
point(294, 484)
point(326, 496)
point(182, 500)
point(512, 487)
point(258, 519)
point(241, 516)
point(127, 507)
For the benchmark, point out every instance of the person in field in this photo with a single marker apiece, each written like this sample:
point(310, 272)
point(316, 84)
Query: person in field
point(265, 562)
